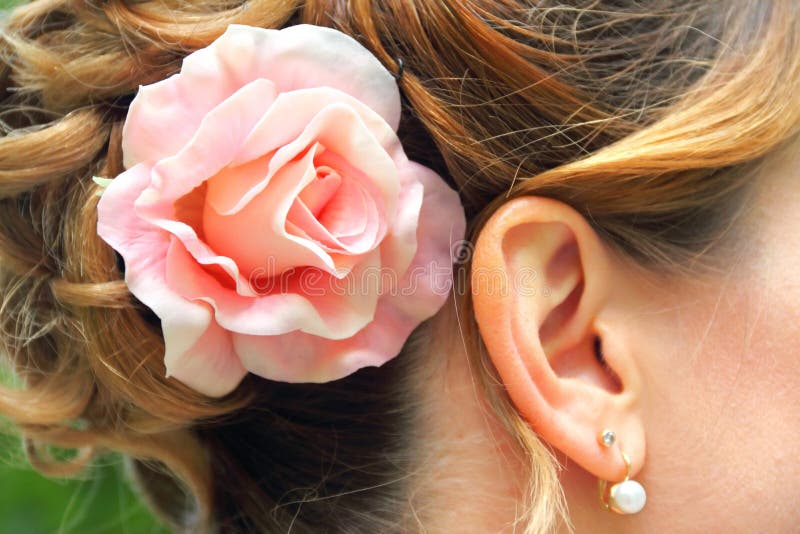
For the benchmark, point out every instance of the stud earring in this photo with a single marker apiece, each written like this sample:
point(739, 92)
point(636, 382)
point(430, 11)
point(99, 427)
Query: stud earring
point(626, 497)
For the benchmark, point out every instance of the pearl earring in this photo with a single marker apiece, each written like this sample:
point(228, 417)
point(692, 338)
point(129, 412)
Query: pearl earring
point(626, 497)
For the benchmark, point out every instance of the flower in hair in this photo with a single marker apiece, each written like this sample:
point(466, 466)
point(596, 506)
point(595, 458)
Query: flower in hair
point(269, 216)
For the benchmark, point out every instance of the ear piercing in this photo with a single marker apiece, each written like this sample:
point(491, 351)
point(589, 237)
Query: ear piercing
point(626, 497)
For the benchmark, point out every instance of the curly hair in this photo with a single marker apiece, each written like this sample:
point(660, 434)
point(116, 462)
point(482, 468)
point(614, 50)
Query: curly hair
point(645, 118)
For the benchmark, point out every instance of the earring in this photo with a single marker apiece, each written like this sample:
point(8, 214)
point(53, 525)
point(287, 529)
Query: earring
point(626, 497)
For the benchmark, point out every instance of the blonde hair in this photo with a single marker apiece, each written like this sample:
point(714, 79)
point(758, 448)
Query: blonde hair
point(644, 120)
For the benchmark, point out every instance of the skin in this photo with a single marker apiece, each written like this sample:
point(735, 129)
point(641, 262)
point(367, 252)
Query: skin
point(701, 385)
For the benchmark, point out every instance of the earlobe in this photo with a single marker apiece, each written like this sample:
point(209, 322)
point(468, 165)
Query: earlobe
point(542, 284)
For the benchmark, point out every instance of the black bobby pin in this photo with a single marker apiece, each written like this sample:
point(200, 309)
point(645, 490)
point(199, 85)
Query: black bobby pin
point(400, 68)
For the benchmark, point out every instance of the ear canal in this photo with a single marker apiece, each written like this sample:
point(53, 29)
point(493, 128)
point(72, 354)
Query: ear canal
point(613, 384)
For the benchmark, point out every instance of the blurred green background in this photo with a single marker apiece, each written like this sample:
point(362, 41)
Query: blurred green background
point(100, 502)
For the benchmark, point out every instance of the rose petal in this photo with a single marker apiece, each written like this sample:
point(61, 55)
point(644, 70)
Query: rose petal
point(202, 253)
point(400, 245)
point(210, 366)
point(164, 116)
point(177, 177)
point(319, 192)
point(213, 146)
point(143, 248)
point(304, 56)
point(311, 300)
point(299, 357)
point(380, 211)
point(429, 278)
point(255, 235)
point(295, 110)
point(350, 214)
point(302, 223)
point(349, 224)
point(230, 184)
point(205, 255)
point(339, 129)
point(350, 149)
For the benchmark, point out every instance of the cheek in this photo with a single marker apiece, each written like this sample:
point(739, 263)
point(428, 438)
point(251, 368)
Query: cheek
point(721, 367)
point(724, 377)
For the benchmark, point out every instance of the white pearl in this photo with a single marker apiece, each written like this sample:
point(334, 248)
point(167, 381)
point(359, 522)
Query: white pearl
point(627, 497)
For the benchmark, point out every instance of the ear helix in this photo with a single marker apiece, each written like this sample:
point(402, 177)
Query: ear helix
point(625, 497)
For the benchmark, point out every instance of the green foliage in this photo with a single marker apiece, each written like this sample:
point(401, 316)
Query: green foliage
point(99, 502)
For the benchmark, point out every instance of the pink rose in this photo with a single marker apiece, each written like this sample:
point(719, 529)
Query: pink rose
point(265, 195)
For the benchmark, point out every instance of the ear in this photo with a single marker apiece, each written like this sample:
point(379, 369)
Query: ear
point(542, 289)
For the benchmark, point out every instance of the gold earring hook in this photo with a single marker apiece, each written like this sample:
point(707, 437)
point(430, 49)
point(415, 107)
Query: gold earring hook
point(603, 484)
